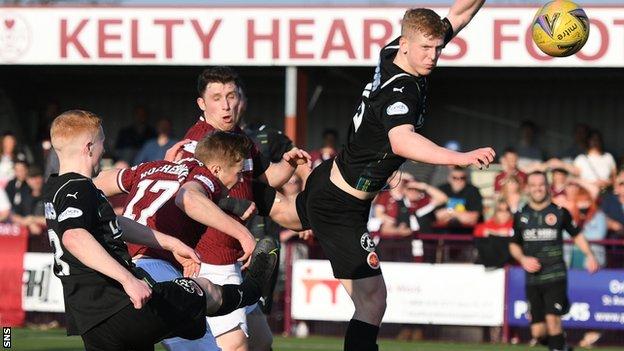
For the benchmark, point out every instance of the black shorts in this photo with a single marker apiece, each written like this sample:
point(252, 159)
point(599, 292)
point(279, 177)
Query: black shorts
point(176, 308)
point(263, 196)
point(338, 221)
point(551, 298)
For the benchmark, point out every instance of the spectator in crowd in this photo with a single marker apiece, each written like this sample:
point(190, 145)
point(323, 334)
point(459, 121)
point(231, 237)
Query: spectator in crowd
point(424, 199)
point(581, 134)
point(512, 192)
point(32, 216)
point(509, 162)
point(440, 173)
point(154, 149)
point(558, 185)
point(131, 138)
point(492, 236)
point(5, 206)
point(18, 189)
point(10, 152)
point(464, 207)
point(613, 206)
point(528, 150)
point(593, 222)
point(328, 150)
point(596, 165)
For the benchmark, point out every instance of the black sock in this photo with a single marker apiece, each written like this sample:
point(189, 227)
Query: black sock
point(543, 340)
point(556, 342)
point(361, 336)
point(236, 296)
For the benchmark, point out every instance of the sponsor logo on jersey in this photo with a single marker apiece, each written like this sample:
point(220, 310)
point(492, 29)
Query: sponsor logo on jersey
point(540, 234)
point(398, 89)
point(373, 260)
point(74, 195)
point(202, 178)
point(367, 243)
point(190, 147)
point(550, 219)
point(70, 212)
point(398, 108)
point(50, 213)
point(524, 219)
point(190, 286)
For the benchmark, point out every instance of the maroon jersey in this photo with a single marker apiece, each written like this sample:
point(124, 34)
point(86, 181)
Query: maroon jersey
point(216, 247)
point(152, 188)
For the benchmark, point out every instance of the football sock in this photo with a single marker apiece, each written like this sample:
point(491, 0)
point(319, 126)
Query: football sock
point(361, 336)
point(556, 342)
point(543, 340)
point(234, 297)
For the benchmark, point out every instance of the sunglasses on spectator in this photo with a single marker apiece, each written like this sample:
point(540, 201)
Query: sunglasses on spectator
point(620, 183)
point(459, 178)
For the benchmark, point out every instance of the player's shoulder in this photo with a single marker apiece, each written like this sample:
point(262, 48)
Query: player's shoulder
point(72, 186)
point(400, 87)
point(205, 177)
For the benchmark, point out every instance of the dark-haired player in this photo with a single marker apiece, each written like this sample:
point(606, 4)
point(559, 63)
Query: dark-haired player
point(537, 245)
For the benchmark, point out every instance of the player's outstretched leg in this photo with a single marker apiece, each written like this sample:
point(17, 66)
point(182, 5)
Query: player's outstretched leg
point(221, 300)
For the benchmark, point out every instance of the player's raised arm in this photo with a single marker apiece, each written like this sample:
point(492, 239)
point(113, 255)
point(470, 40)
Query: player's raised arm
point(462, 12)
point(407, 143)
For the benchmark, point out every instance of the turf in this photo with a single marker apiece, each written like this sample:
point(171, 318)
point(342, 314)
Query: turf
point(55, 340)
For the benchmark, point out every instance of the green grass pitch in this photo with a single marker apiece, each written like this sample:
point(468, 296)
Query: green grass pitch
point(55, 340)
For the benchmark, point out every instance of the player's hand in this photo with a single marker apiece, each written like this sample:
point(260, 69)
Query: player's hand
point(248, 243)
point(306, 234)
point(297, 157)
point(174, 153)
point(530, 264)
point(592, 265)
point(138, 291)
point(479, 157)
point(188, 258)
point(249, 212)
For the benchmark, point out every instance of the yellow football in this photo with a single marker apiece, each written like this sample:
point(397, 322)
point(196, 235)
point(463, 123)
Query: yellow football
point(560, 28)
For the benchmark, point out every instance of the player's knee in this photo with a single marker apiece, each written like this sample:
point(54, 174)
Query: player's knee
point(373, 301)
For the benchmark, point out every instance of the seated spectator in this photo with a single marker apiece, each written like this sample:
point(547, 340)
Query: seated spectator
point(613, 206)
point(512, 193)
point(397, 225)
point(18, 190)
point(464, 207)
point(528, 150)
point(131, 138)
point(588, 216)
point(579, 145)
point(509, 162)
point(32, 216)
point(558, 185)
point(154, 149)
point(596, 165)
point(5, 206)
point(492, 236)
point(10, 152)
point(328, 150)
point(423, 199)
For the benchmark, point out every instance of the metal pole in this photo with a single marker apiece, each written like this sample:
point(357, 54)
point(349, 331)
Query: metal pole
point(290, 121)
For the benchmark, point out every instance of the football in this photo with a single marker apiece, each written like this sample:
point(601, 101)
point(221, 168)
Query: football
point(560, 28)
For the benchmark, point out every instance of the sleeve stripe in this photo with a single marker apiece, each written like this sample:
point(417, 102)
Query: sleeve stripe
point(119, 182)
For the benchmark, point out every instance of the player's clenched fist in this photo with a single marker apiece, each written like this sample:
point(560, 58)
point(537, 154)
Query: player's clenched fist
point(296, 157)
point(138, 291)
point(530, 264)
point(480, 157)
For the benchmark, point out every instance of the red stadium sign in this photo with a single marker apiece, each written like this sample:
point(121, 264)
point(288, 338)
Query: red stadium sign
point(498, 36)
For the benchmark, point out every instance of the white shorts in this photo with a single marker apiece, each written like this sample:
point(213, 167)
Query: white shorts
point(221, 275)
point(161, 270)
